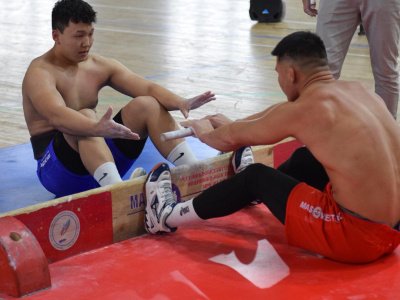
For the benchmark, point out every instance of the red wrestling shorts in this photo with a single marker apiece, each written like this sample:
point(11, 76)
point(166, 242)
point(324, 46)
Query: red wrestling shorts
point(314, 221)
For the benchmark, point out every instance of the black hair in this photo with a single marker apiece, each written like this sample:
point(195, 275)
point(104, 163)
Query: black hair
point(71, 10)
point(303, 47)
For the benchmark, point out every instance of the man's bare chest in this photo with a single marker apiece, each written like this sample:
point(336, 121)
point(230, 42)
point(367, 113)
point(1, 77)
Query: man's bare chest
point(80, 89)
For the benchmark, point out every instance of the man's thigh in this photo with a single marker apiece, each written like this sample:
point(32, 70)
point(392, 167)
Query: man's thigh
point(59, 180)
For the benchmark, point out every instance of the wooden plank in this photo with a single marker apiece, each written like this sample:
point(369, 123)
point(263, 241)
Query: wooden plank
point(78, 223)
point(188, 181)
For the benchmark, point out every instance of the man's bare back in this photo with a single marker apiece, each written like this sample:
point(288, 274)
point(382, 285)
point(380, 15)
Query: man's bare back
point(358, 143)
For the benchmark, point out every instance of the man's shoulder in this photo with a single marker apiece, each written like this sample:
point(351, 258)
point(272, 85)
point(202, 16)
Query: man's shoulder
point(40, 63)
point(99, 59)
point(100, 63)
point(37, 69)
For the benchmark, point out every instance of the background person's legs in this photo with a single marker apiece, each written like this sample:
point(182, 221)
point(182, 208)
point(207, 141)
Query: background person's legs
point(337, 21)
point(381, 20)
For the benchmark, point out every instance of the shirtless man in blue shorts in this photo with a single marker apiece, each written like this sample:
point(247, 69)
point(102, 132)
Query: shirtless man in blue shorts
point(76, 149)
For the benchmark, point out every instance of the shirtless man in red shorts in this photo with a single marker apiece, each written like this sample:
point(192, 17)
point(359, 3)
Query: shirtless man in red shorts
point(338, 196)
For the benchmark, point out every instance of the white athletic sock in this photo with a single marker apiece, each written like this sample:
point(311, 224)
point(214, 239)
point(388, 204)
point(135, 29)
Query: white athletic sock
point(181, 155)
point(183, 213)
point(107, 174)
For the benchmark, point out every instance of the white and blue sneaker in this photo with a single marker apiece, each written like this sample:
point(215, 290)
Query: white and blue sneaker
point(160, 199)
point(241, 159)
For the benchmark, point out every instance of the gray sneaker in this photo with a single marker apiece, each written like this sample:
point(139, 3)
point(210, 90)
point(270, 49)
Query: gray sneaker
point(160, 200)
point(138, 172)
point(242, 158)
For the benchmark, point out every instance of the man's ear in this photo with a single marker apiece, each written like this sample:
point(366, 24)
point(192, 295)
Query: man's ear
point(56, 35)
point(292, 76)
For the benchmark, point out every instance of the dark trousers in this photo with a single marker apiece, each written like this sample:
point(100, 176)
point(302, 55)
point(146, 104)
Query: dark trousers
point(259, 182)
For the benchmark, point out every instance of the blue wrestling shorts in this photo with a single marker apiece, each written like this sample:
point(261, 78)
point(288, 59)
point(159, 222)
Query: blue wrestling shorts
point(60, 169)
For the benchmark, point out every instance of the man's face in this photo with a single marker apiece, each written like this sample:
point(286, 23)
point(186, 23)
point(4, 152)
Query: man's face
point(286, 79)
point(75, 41)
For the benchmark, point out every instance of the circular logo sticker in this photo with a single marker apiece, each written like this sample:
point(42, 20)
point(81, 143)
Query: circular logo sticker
point(317, 213)
point(64, 230)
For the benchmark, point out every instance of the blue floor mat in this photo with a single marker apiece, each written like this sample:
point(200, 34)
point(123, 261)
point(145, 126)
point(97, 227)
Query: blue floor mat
point(20, 186)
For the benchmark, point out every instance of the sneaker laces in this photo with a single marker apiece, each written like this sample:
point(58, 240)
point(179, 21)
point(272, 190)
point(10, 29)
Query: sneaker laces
point(166, 192)
point(247, 159)
point(167, 197)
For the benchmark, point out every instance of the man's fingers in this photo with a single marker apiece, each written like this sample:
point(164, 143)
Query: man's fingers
point(186, 123)
point(208, 99)
point(311, 13)
point(185, 113)
point(125, 133)
point(130, 135)
point(134, 136)
point(108, 113)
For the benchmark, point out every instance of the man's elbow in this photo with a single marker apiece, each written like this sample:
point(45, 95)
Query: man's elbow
point(54, 121)
point(57, 124)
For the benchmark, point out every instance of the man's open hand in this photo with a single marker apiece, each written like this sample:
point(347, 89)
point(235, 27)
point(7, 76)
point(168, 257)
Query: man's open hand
point(107, 127)
point(199, 127)
point(196, 102)
point(218, 120)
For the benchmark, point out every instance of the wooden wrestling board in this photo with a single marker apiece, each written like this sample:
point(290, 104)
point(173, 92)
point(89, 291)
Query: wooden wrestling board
point(78, 223)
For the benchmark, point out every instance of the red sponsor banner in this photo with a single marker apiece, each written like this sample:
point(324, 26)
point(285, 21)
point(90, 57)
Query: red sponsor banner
point(72, 227)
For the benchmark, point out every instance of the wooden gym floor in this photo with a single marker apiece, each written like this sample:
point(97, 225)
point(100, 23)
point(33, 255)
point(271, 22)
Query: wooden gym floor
point(186, 46)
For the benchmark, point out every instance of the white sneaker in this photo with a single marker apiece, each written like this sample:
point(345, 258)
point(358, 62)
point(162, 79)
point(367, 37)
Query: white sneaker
point(160, 200)
point(137, 173)
point(242, 158)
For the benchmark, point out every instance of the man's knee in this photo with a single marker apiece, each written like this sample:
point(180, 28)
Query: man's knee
point(259, 175)
point(87, 112)
point(302, 154)
point(300, 158)
point(258, 171)
point(72, 139)
point(143, 104)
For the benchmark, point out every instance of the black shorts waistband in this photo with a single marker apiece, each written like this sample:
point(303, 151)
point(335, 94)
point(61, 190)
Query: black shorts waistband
point(40, 142)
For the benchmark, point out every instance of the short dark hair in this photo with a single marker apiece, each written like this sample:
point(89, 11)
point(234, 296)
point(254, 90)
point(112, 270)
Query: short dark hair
point(303, 47)
point(71, 10)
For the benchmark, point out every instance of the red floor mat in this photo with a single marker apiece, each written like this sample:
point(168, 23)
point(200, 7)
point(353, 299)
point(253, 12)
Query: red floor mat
point(243, 256)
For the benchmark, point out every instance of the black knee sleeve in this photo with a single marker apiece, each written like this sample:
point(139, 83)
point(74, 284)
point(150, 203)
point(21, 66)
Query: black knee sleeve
point(130, 148)
point(304, 167)
point(270, 186)
point(256, 182)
